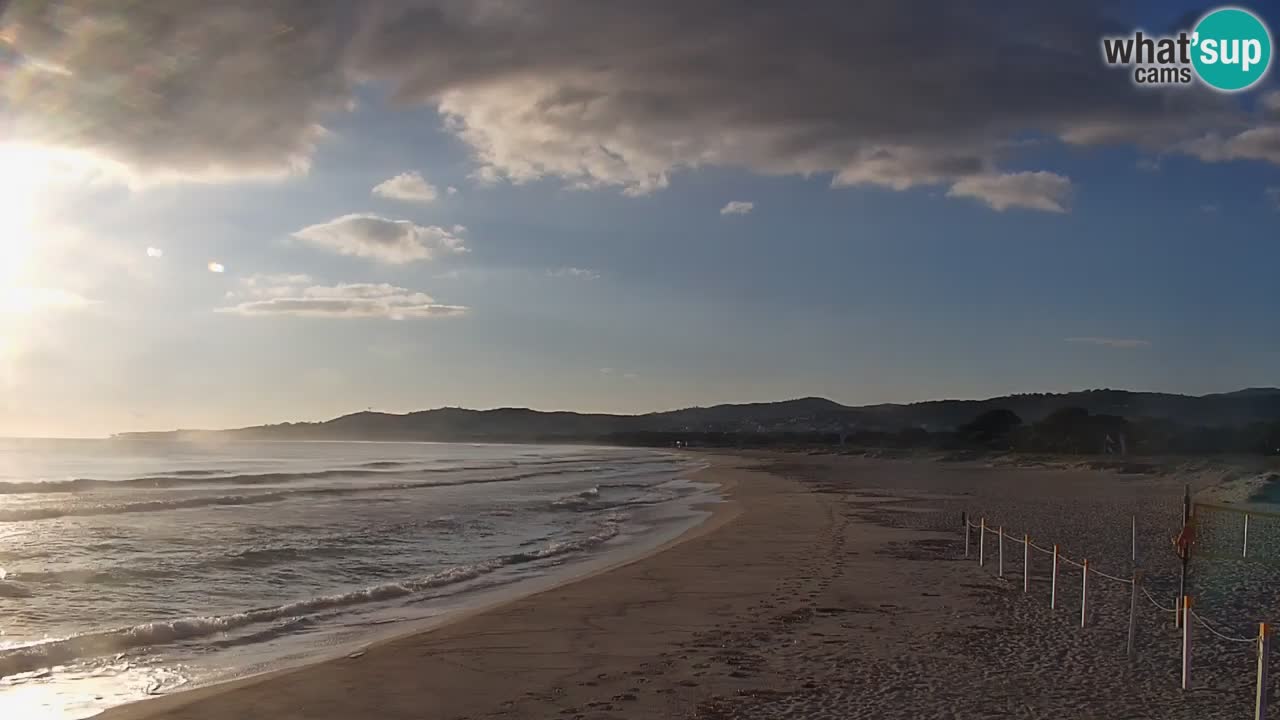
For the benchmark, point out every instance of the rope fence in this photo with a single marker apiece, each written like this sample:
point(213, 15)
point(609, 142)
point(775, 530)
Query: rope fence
point(1182, 608)
point(1156, 603)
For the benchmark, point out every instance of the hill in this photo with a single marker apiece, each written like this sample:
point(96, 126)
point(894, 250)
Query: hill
point(801, 416)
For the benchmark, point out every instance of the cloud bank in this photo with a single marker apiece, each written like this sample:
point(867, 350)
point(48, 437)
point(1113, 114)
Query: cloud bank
point(601, 93)
point(291, 296)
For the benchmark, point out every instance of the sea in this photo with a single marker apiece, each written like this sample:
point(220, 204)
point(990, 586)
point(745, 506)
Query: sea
point(134, 568)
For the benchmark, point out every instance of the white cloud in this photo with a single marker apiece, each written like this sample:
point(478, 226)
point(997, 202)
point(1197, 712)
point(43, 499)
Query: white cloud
point(408, 186)
point(574, 272)
point(155, 252)
point(1270, 103)
point(451, 190)
point(1210, 208)
point(1259, 143)
point(216, 267)
point(22, 300)
point(377, 238)
point(1031, 190)
point(1127, 343)
point(345, 300)
point(737, 207)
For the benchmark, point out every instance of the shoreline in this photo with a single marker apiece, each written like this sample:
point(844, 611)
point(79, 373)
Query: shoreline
point(832, 587)
point(719, 513)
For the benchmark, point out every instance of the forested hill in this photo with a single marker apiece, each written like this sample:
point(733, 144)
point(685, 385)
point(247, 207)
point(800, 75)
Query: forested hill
point(802, 416)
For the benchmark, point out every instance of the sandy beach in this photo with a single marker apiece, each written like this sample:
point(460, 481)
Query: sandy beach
point(827, 587)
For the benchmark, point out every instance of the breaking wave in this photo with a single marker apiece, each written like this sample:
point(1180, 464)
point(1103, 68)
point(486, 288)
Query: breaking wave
point(56, 652)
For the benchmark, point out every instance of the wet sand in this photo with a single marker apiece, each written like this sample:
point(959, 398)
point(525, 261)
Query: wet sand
point(829, 587)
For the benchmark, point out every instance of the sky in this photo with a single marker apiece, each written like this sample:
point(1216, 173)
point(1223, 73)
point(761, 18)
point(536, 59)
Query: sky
point(225, 214)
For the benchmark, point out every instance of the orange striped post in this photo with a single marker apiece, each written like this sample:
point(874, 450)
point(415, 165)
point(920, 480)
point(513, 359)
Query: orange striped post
point(1186, 642)
point(1264, 650)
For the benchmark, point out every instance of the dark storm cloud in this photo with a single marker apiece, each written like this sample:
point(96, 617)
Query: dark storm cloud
point(607, 92)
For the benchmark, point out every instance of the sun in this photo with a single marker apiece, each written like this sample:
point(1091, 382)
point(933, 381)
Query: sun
point(23, 177)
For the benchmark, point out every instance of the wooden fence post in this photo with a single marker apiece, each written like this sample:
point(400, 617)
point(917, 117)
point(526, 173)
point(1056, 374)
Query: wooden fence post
point(1186, 642)
point(1000, 571)
point(1264, 651)
point(966, 539)
point(1026, 563)
point(1244, 549)
point(1084, 593)
point(1053, 584)
point(982, 541)
point(1133, 541)
point(1131, 648)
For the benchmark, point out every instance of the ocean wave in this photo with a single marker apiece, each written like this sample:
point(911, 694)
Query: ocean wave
point(13, 590)
point(85, 576)
point(142, 506)
point(55, 652)
point(197, 478)
point(48, 513)
point(578, 500)
point(167, 482)
point(252, 558)
point(386, 464)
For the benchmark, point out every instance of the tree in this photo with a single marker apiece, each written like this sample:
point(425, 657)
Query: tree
point(991, 426)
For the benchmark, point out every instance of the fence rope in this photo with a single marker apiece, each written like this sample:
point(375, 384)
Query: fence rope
point(1228, 638)
point(1069, 561)
point(1046, 551)
point(1261, 641)
point(1126, 581)
point(1156, 602)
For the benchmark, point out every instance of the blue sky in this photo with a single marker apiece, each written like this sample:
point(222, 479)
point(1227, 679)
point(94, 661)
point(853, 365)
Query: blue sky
point(589, 284)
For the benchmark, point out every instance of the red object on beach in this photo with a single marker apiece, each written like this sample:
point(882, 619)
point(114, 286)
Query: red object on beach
point(1182, 543)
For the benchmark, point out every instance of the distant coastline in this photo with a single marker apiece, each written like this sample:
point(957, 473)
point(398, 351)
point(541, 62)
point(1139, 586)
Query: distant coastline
point(1083, 422)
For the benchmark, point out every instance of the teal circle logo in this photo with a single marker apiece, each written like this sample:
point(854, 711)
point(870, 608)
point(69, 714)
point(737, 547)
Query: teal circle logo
point(1231, 49)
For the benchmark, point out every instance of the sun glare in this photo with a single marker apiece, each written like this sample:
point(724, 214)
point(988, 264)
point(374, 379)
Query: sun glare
point(21, 180)
point(29, 175)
